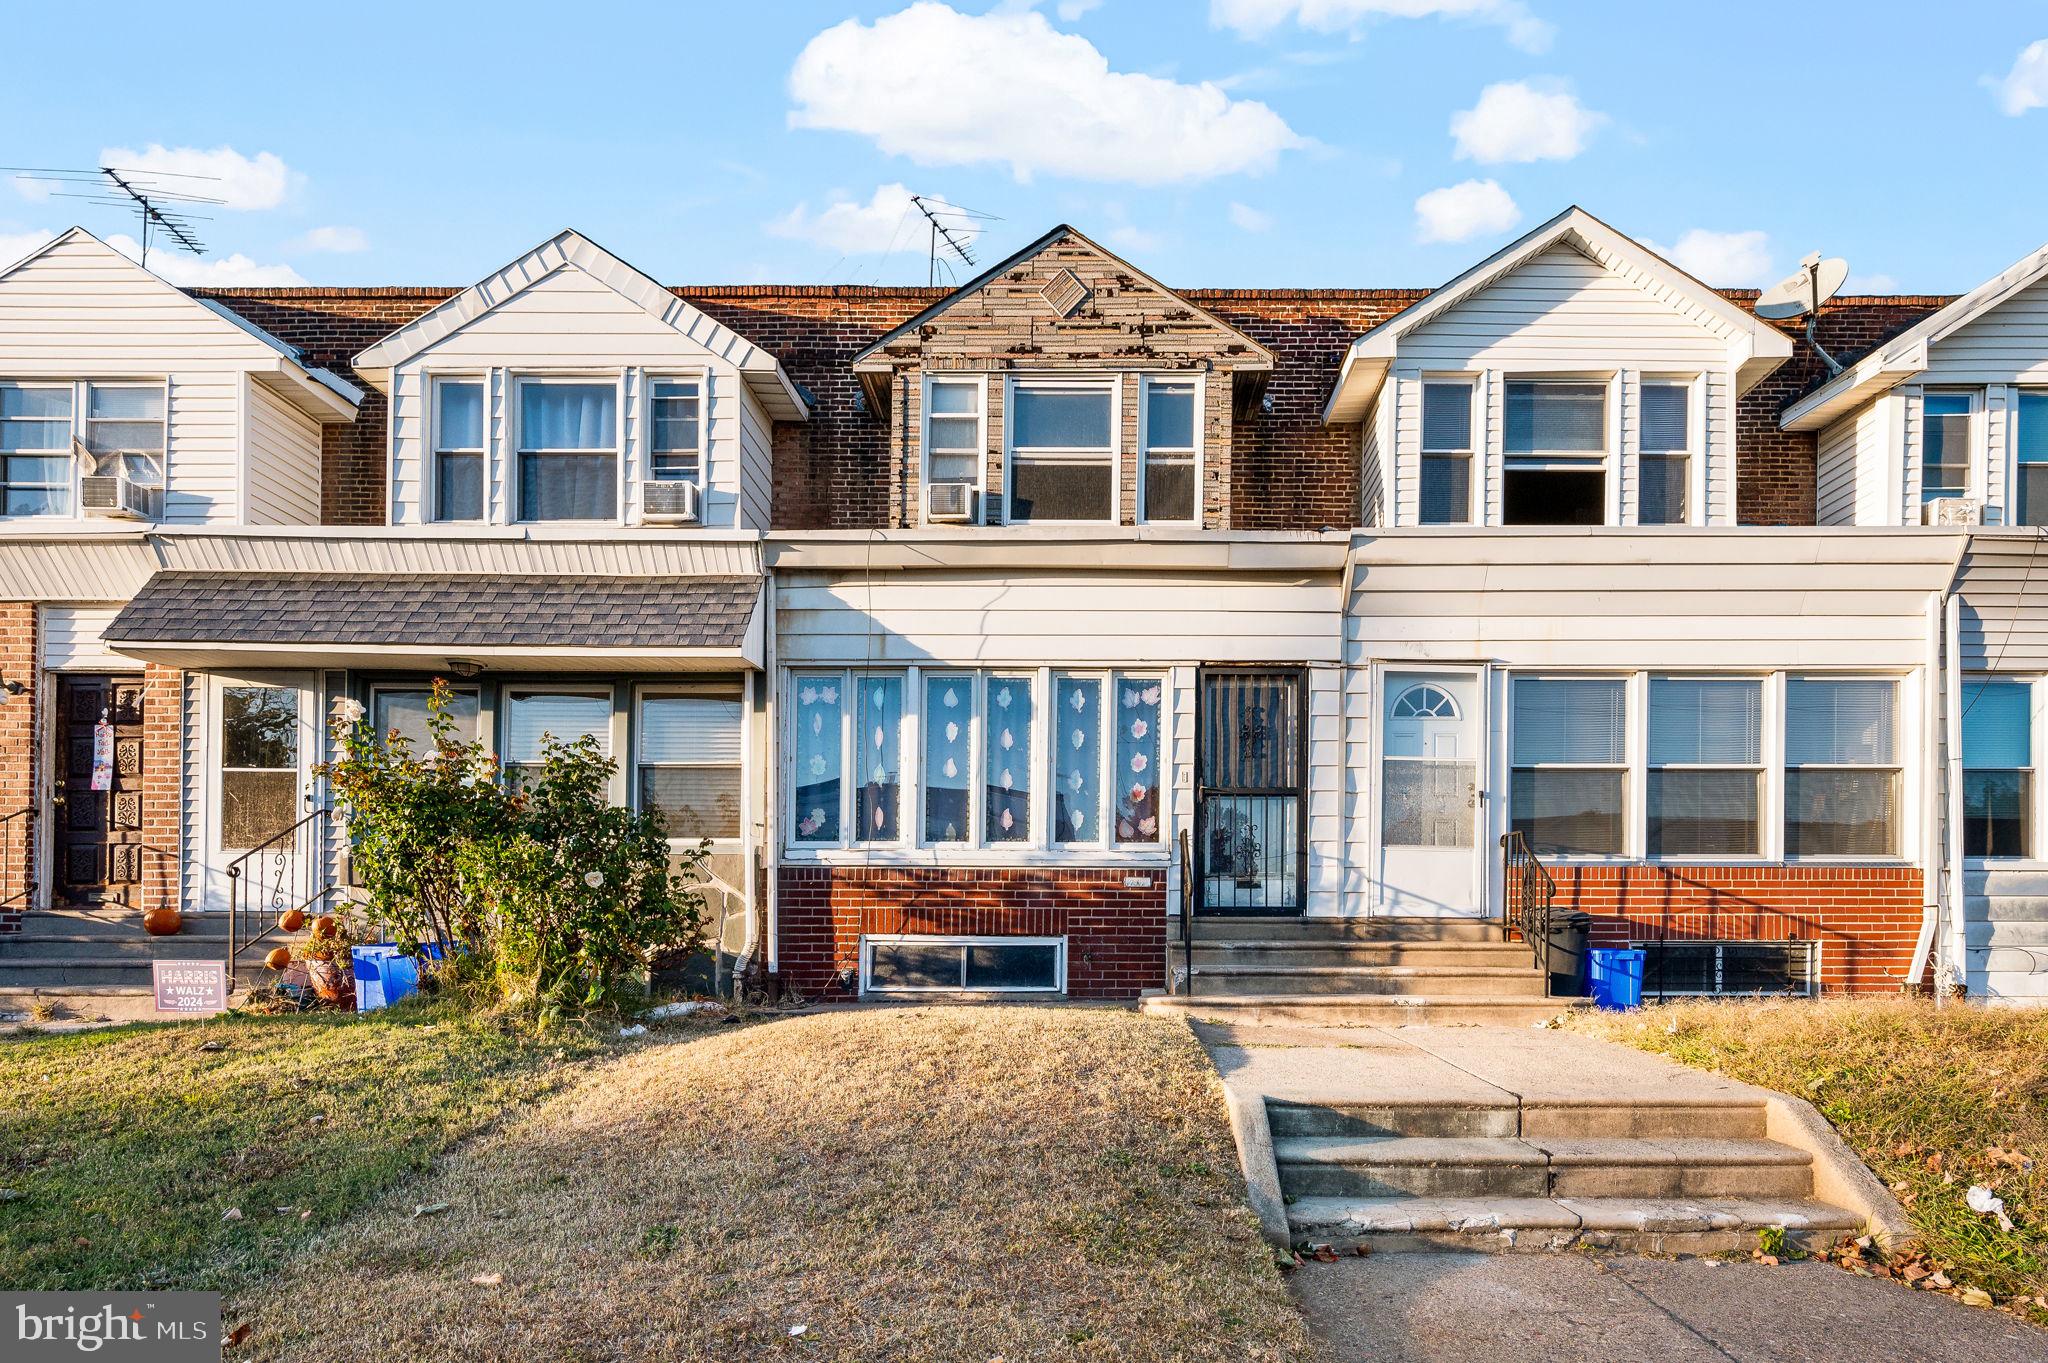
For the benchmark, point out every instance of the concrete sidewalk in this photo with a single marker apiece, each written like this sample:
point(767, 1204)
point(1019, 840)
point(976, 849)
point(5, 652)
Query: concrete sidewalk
point(1483, 1308)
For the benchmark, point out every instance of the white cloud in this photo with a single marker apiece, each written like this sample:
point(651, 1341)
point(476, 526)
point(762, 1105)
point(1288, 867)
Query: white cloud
point(1725, 260)
point(1463, 211)
point(241, 182)
point(194, 272)
point(950, 89)
point(1254, 18)
point(1248, 219)
point(887, 221)
point(1870, 283)
point(337, 240)
point(32, 189)
point(1070, 10)
point(1524, 121)
point(2026, 85)
point(15, 245)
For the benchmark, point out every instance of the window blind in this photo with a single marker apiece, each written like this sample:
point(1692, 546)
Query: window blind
point(1997, 725)
point(1844, 723)
point(462, 415)
point(697, 729)
point(1566, 418)
point(567, 717)
point(1568, 721)
point(1665, 412)
point(1705, 722)
point(1447, 416)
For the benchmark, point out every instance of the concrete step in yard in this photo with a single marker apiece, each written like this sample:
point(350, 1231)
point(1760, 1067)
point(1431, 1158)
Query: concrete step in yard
point(1448, 981)
point(1358, 1010)
point(69, 949)
point(1297, 929)
point(1359, 951)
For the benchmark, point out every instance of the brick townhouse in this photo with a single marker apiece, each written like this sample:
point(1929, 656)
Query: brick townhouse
point(1063, 633)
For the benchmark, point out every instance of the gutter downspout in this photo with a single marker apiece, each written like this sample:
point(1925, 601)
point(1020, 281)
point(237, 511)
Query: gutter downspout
point(1947, 970)
point(1932, 861)
point(772, 839)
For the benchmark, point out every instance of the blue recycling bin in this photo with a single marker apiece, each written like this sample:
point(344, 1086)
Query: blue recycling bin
point(384, 975)
point(1614, 977)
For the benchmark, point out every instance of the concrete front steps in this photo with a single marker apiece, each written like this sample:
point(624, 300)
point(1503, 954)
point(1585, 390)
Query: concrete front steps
point(1648, 1176)
point(107, 951)
point(1356, 970)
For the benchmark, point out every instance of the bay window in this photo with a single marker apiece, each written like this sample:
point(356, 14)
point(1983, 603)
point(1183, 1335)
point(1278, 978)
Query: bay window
point(2030, 456)
point(1568, 786)
point(1554, 446)
point(688, 763)
point(1841, 768)
point(458, 450)
point(1998, 769)
point(1170, 448)
point(1446, 487)
point(1945, 436)
point(1664, 454)
point(1705, 787)
point(676, 439)
point(1062, 441)
point(568, 451)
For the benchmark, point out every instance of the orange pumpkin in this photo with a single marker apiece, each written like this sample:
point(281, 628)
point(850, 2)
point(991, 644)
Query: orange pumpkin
point(162, 921)
point(291, 920)
point(279, 958)
point(323, 927)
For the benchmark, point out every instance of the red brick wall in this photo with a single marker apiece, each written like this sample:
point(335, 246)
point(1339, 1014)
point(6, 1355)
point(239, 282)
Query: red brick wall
point(1865, 918)
point(163, 757)
point(19, 753)
point(1116, 934)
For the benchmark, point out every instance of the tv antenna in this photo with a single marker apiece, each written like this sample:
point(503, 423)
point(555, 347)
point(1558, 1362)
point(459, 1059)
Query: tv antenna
point(1816, 282)
point(935, 212)
point(161, 209)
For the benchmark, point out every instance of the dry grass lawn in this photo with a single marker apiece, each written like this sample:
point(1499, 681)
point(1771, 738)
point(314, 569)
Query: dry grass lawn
point(1934, 1100)
point(904, 1184)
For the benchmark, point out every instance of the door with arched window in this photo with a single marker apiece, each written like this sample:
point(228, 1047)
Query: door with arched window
point(1429, 794)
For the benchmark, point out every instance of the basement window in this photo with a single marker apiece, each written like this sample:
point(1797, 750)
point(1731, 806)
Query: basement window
point(1554, 449)
point(995, 965)
point(1709, 968)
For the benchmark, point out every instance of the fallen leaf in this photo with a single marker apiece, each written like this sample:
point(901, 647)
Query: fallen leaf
point(1325, 1255)
point(237, 1335)
point(1974, 1296)
point(429, 1209)
point(797, 1331)
point(488, 1279)
point(232, 1214)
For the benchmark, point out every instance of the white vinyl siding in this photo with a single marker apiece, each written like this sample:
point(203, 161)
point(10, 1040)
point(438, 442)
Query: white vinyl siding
point(284, 461)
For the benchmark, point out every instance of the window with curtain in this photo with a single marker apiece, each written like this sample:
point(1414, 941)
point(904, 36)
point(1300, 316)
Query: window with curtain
point(1139, 715)
point(124, 430)
point(1006, 759)
point(2030, 458)
point(1946, 419)
point(568, 451)
point(1062, 453)
point(1705, 782)
point(1170, 417)
point(1446, 486)
point(948, 757)
point(1554, 446)
point(688, 761)
point(1569, 782)
point(1076, 736)
point(1664, 450)
point(676, 440)
point(259, 763)
point(566, 716)
point(35, 449)
point(1841, 768)
point(402, 710)
point(814, 793)
point(953, 440)
point(878, 771)
point(458, 450)
point(1998, 769)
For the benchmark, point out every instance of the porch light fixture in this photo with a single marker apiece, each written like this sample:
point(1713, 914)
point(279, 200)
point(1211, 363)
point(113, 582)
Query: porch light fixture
point(465, 668)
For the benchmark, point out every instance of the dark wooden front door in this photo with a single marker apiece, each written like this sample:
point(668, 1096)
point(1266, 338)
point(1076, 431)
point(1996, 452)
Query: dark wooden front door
point(98, 832)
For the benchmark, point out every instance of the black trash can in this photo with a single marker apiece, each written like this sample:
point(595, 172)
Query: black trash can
point(1567, 952)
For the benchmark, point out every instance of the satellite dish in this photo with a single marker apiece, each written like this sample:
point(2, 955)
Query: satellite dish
point(1815, 283)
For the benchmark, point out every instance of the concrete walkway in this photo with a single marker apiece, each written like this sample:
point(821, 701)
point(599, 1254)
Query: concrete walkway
point(1484, 1308)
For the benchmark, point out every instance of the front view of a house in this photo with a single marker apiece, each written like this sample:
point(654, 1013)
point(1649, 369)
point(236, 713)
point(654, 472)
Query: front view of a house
point(1051, 634)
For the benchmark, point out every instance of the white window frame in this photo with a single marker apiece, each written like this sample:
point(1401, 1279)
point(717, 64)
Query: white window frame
point(1630, 767)
point(2015, 432)
point(979, 382)
point(1694, 453)
point(81, 391)
point(1769, 710)
point(509, 695)
point(1973, 441)
point(1582, 461)
point(514, 474)
point(869, 940)
point(1472, 454)
point(304, 737)
point(2037, 753)
point(432, 482)
point(702, 380)
point(1191, 455)
point(1901, 765)
point(385, 688)
point(1113, 386)
point(736, 692)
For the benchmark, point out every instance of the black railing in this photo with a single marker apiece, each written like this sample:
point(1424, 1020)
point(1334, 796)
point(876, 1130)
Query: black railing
point(1187, 914)
point(1526, 894)
point(286, 871)
point(17, 858)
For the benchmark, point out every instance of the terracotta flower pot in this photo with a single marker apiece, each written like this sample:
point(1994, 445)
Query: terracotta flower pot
point(279, 958)
point(162, 921)
point(330, 981)
point(291, 920)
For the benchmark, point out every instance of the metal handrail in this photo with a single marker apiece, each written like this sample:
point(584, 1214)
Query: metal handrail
point(1187, 914)
point(24, 819)
point(290, 849)
point(1527, 892)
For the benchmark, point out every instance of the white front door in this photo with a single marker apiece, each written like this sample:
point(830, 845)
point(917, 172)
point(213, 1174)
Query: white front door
point(1429, 794)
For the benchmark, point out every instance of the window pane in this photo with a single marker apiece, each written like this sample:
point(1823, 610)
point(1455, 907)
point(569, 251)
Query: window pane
point(568, 487)
point(1557, 720)
point(953, 468)
point(1555, 417)
point(124, 437)
point(1998, 726)
point(818, 757)
point(1006, 790)
point(259, 727)
point(462, 415)
point(1427, 803)
point(34, 470)
point(38, 501)
point(1698, 722)
point(1838, 722)
point(948, 739)
point(914, 965)
point(458, 487)
point(1664, 488)
point(256, 806)
point(1041, 491)
point(693, 802)
point(1997, 813)
point(1136, 773)
point(1704, 813)
point(1553, 497)
point(406, 713)
point(568, 416)
point(1446, 489)
point(1573, 812)
point(2030, 440)
point(1013, 965)
point(36, 404)
point(1060, 418)
point(2031, 506)
point(1447, 416)
point(878, 734)
point(1838, 813)
point(1077, 759)
point(956, 397)
point(1170, 416)
point(690, 729)
point(564, 716)
point(1946, 444)
point(1169, 490)
point(955, 433)
point(1666, 410)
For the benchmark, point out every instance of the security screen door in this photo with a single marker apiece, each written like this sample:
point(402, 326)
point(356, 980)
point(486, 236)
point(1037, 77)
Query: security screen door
point(1251, 735)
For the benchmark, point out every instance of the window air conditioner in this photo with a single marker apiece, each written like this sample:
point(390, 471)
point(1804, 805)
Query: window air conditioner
point(117, 496)
point(949, 501)
point(1954, 511)
point(669, 503)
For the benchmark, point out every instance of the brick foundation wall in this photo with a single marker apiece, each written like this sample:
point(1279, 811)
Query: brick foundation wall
point(19, 753)
point(1116, 934)
point(1865, 918)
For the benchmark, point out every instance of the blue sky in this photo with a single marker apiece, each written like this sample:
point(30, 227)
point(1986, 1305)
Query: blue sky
point(1239, 142)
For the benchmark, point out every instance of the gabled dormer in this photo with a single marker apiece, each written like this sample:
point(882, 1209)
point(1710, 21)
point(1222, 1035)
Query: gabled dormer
point(1574, 377)
point(1062, 386)
point(1947, 422)
point(569, 387)
point(125, 400)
